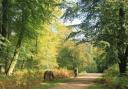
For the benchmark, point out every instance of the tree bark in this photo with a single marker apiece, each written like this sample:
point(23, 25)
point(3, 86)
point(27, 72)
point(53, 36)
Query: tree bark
point(122, 65)
point(18, 45)
point(4, 24)
point(121, 46)
point(123, 62)
point(16, 54)
point(4, 27)
point(23, 64)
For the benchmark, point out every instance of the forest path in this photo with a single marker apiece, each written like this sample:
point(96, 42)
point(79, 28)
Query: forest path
point(81, 82)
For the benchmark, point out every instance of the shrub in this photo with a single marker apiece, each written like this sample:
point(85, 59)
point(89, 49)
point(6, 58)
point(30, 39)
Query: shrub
point(28, 79)
point(62, 73)
point(113, 80)
point(21, 80)
point(7, 82)
point(92, 68)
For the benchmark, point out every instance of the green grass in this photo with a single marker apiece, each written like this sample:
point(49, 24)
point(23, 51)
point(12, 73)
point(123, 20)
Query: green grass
point(49, 84)
point(97, 86)
point(45, 86)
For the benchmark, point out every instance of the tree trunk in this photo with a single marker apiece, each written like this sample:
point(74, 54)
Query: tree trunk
point(123, 62)
point(36, 45)
point(18, 45)
point(122, 65)
point(121, 46)
point(4, 24)
point(16, 54)
point(23, 64)
point(4, 27)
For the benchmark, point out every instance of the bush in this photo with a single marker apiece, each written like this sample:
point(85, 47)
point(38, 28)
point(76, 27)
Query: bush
point(92, 68)
point(62, 73)
point(113, 80)
point(7, 82)
point(28, 79)
point(21, 80)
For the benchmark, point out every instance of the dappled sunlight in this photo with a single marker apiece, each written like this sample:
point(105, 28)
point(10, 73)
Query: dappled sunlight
point(63, 44)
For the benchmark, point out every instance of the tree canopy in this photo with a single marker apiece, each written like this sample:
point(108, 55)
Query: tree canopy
point(33, 34)
point(103, 20)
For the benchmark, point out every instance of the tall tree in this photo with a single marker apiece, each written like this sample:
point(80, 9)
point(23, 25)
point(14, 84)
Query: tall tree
point(27, 19)
point(122, 47)
point(4, 5)
point(3, 30)
point(81, 56)
point(103, 20)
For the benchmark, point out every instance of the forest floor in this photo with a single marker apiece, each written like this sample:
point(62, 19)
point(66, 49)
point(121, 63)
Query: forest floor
point(81, 82)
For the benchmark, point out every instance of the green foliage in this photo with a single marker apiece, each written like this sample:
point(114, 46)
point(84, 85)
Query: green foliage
point(113, 80)
point(24, 23)
point(32, 79)
point(35, 11)
point(97, 86)
point(92, 68)
point(112, 71)
point(45, 86)
point(21, 80)
point(49, 41)
point(81, 56)
point(102, 21)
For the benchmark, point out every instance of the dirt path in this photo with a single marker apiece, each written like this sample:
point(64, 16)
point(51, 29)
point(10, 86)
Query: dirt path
point(82, 82)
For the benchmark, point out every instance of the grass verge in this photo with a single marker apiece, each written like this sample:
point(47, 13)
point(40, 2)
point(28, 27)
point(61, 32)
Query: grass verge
point(50, 84)
point(44, 86)
point(97, 86)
